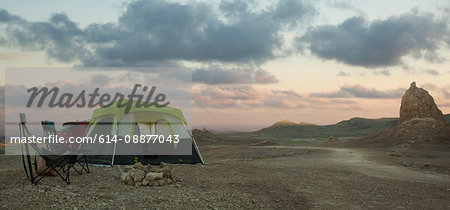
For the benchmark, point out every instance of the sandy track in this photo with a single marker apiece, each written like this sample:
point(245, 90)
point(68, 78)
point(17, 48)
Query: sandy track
point(354, 160)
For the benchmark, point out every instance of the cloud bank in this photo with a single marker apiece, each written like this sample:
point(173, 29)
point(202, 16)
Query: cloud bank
point(251, 97)
point(358, 91)
point(218, 75)
point(162, 33)
point(379, 43)
point(153, 31)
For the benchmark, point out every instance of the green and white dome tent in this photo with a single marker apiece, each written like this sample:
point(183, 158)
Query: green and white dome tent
point(113, 122)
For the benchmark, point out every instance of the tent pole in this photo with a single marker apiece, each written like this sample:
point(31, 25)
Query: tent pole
point(114, 154)
point(197, 150)
point(115, 142)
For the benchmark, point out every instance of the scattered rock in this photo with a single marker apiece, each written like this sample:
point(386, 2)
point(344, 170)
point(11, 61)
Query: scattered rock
point(418, 103)
point(167, 173)
point(137, 174)
point(149, 168)
point(394, 154)
point(141, 175)
point(138, 166)
point(153, 176)
point(161, 182)
point(152, 183)
point(266, 143)
point(129, 180)
point(332, 139)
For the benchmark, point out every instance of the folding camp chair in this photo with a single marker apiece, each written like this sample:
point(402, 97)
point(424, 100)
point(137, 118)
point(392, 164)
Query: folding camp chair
point(80, 159)
point(60, 164)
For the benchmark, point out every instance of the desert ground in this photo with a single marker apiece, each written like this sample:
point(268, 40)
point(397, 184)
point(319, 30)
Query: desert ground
point(238, 174)
point(387, 163)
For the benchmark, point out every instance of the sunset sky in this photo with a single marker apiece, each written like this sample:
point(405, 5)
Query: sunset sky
point(252, 62)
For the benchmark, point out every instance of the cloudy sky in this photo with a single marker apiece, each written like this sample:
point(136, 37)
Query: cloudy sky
point(252, 62)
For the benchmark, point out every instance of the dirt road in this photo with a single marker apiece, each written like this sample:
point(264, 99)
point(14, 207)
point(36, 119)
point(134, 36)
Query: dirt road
point(354, 160)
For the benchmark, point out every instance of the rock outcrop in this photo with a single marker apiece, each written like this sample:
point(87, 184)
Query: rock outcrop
point(421, 125)
point(418, 103)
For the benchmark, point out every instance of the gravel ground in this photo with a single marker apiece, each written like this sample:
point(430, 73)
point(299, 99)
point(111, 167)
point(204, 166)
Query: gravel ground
point(235, 177)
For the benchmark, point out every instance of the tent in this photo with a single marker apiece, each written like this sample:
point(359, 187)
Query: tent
point(139, 121)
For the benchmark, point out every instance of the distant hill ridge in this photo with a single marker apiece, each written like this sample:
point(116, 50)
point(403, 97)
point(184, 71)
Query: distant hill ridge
point(354, 127)
point(289, 123)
